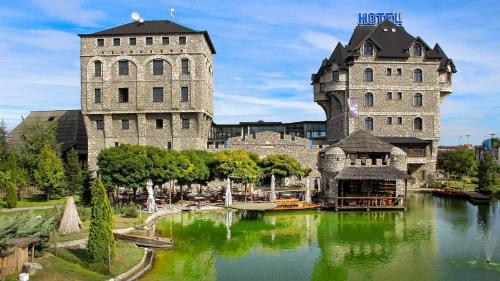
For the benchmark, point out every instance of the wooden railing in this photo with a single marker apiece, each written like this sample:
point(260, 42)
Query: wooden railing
point(370, 202)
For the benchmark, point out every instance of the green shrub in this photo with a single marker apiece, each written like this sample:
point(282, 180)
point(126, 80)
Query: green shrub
point(84, 213)
point(131, 211)
point(11, 195)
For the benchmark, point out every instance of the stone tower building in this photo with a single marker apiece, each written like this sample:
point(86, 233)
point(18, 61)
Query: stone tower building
point(391, 84)
point(148, 83)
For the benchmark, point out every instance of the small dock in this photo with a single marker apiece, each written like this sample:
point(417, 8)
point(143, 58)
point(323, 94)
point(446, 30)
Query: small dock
point(478, 198)
point(145, 241)
point(251, 206)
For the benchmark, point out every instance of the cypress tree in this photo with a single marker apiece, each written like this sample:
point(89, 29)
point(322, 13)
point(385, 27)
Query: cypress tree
point(11, 195)
point(74, 173)
point(101, 226)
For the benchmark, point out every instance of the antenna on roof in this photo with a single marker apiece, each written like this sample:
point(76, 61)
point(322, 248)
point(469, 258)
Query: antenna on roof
point(172, 13)
point(135, 16)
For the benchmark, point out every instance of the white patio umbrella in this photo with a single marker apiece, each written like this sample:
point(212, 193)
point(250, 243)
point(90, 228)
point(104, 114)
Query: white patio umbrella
point(229, 197)
point(272, 197)
point(308, 193)
point(151, 197)
point(229, 222)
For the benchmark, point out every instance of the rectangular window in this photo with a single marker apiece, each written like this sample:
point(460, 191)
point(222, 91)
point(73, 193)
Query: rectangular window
point(400, 96)
point(336, 76)
point(123, 67)
point(389, 120)
point(100, 42)
point(182, 40)
point(99, 124)
point(159, 123)
point(117, 144)
point(184, 94)
point(185, 66)
point(149, 40)
point(123, 95)
point(169, 145)
point(165, 40)
point(97, 69)
point(158, 67)
point(399, 72)
point(157, 94)
point(116, 41)
point(97, 95)
point(389, 95)
point(132, 41)
point(400, 120)
point(125, 124)
point(388, 72)
point(185, 122)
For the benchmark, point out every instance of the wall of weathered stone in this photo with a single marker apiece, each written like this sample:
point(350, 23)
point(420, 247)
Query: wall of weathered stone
point(140, 109)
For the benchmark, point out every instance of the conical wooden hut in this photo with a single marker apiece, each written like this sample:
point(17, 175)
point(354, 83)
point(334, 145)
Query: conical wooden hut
point(70, 222)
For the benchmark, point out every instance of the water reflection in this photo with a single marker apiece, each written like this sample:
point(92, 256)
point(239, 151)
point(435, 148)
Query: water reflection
point(434, 240)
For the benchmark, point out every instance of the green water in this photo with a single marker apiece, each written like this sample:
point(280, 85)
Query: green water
point(435, 239)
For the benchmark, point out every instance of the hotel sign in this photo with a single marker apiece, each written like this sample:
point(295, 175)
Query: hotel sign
point(376, 18)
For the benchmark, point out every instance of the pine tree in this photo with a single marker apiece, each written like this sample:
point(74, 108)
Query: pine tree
point(3, 139)
point(101, 226)
point(49, 173)
point(86, 198)
point(73, 173)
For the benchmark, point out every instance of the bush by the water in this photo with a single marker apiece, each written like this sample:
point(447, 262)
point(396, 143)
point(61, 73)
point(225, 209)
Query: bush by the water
point(127, 210)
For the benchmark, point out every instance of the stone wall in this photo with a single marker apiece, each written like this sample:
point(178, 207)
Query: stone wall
point(140, 109)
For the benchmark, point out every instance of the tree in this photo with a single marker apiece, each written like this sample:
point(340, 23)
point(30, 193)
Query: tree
point(8, 185)
point(282, 166)
point(101, 226)
point(34, 136)
point(461, 163)
point(486, 174)
point(125, 165)
point(235, 164)
point(200, 171)
point(49, 173)
point(3, 139)
point(74, 173)
point(86, 198)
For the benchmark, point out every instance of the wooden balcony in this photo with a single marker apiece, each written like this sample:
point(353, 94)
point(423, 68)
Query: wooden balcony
point(369, 202)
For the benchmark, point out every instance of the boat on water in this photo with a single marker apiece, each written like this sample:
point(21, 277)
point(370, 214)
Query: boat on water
point(450, 192)
point(293, 204)
point(146, 241)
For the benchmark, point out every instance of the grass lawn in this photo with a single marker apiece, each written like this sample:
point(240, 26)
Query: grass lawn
point(70, 264)
point(38, 200)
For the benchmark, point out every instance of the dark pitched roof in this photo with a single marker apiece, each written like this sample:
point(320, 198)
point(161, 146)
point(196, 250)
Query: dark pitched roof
point(70, 128)
point(150, 28)
point(444, 59)
point(338, 56)
point(405, 140)
point(363, 142)
point(372, 173)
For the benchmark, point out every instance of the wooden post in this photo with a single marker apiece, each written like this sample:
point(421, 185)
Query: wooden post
point(109, 259)
point(55, 243)
point(170, 196)
point(33, 252)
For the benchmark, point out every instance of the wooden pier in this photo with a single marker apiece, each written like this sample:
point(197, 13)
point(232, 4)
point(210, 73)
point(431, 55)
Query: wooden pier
point(478, 198)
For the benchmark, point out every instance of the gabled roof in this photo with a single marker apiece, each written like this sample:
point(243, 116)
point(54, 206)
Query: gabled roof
point(363, 142)
point(150, 28)
point(70, 128)
point(444, 59)
point(338, 56)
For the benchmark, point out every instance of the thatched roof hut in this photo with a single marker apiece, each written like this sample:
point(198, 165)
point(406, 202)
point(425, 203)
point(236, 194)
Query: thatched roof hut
point(70, 221)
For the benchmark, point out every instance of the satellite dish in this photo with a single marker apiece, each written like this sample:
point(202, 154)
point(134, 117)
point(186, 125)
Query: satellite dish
point(135, 16)
point(141, 20)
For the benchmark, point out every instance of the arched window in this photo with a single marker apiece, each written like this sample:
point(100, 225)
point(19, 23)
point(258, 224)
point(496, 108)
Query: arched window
point(417, 100)
point(368, 49)
point(417, 75)
point(369, 124)
point(185, 66)
point(368, 99)
point(417, 50)
point(368, 74)
point(97, 68)
point(418, 124)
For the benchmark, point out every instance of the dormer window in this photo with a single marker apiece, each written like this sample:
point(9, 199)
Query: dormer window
point(368, 49)
point(417, 50)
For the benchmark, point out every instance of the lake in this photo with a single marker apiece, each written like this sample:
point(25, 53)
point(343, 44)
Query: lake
point(434, 239)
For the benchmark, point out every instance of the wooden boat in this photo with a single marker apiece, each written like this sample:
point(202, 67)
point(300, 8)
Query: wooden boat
point(146, 241)
point(450, 192)
point(293, 204)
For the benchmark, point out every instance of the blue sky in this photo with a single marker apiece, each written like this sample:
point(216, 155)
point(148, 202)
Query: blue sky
point(266, 52)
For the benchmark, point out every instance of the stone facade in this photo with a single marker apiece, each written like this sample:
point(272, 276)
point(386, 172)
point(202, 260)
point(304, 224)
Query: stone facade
point(140, 110)
point(393, 88)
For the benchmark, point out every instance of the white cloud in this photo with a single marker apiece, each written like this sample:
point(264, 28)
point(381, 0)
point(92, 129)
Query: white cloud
point(321, 40)
point(70, 11)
